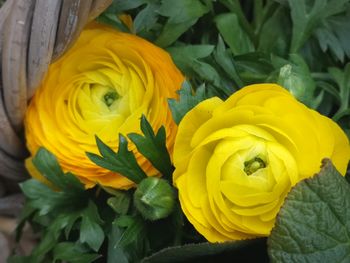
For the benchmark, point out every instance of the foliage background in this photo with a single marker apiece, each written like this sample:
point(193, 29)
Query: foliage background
point(221, 46)
point(303, 45)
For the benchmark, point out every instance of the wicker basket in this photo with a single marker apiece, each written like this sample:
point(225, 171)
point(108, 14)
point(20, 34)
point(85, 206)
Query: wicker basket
point(33, 33)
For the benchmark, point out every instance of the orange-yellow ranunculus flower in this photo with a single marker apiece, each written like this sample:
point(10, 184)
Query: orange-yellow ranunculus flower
point(101, 86)
point(237, 159)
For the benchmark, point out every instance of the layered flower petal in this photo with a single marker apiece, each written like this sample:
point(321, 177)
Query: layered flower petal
point(237, 160)
point(102, 86)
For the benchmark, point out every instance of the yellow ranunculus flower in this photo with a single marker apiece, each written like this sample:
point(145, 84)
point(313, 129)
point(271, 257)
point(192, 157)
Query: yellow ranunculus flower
point(236, 160)
point(101, 86)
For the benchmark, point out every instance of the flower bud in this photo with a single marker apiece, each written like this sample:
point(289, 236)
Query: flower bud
point(154, 198)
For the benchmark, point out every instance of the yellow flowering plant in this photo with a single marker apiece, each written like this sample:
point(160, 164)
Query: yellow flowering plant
point(187, 131)
point(101, 87)
point(237, 160)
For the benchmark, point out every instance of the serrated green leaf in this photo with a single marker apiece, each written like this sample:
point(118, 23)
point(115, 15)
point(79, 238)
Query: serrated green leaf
point(48, 166)
point(236, 38)
point(313, 224)
point(73, 253)
point(328, 40)
point(146, 18)
point(43, 198)
point(153, 147)
point(186, 102)
point(339, 26)
point(123, 162)
point(91, 231)
point(236, 251)
point(308, 15)
point(189, 59)
point(182, 14)
point(184, 56)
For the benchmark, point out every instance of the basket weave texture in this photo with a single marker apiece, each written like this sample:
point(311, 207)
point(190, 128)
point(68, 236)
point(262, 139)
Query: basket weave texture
point(33, 33)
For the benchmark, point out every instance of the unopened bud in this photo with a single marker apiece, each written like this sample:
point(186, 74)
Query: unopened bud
point(154, 198)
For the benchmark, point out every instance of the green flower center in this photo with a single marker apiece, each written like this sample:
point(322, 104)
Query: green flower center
point(253, 165)
point(110, 97)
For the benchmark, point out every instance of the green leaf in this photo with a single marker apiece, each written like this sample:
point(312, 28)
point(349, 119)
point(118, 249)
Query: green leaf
point(185, 56)
point(50, 237)
point(45, 199)
point(190, 59)
point(19, 259)
point(335, 37)
point(342, 79)
point(115, 252)
point(182, 14)
point(120, 6)
point(225, 59)
point(123, 162)
point(313, 225)
point(308, 15)
point(49, 167)
point(90, 230)
point(186, 102)
point(73, 253)
point(26, 212)
point(147, 18)
point(275, 33)
point(153, 147)
point(113, 20)
point(236, 38)
point(134, 229)
point(236, 251)
point(120, 202)
point(254, 67)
